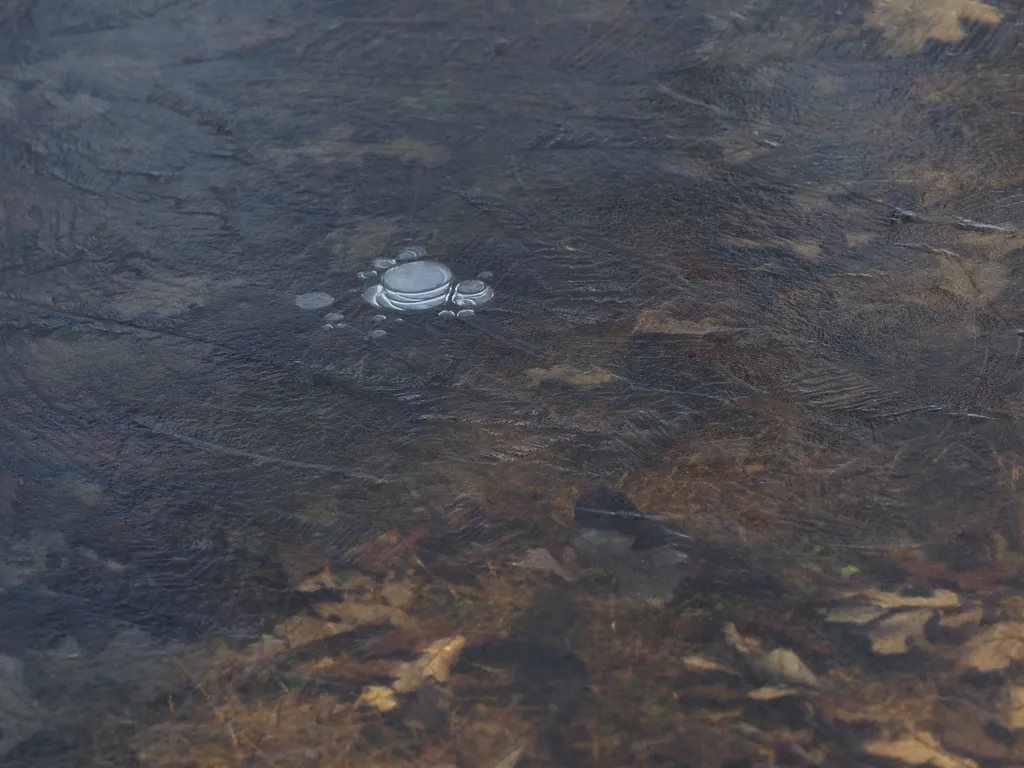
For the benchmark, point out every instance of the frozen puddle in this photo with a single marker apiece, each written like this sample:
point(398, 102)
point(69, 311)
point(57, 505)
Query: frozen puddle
point(412, 283)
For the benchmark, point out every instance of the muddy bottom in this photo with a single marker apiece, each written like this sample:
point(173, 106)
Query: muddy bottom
point(506, 385)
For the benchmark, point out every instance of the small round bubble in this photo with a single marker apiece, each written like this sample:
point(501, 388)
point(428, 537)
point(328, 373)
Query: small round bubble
point(485, 275)
point(446, 313)
point(378, 318)
point(334, 317)
point(377, 334)
point(411, 253)
point(471, 286)
point(314, 300)
point(383, 263)
point(366, 274)
point(462, 301)
point(465, 314)
point(327, 327)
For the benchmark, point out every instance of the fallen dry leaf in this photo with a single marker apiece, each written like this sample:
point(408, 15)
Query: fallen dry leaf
point(338, 146)
point(655, 322)
point(977, 284)
point(364, 603)
point(1011, 707)
point(909, 24)
point(387, 552)
point(808, 250)
point(970, 581)
point(569, 375)
point(436, 662)
point(300, 630)
point(993, 245)
point(855, 614)
point(510, 759)
point(702, 664)
point(543, 560)
point(892, 636)
point(398, 594)
point(859, 239)
point(995, 648)
point(741, 644)
point(963, 619)
point(781, 664)
point(918, 748)
point(352, 613)
point(379, 697)
point(940, 598)
point(322, 580)
point(772, 692)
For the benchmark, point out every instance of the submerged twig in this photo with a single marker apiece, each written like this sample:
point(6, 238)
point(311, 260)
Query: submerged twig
point(899, 215)
point(689, 100)
point(263, 458)
point(979, 226)
point(969, 415)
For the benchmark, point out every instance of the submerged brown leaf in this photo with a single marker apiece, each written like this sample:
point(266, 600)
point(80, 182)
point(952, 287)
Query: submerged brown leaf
point(894, 634)
point(379, 697)
point(855, 614)
point(772, 692)
point(975, 283)
point(963, 619)
point(566, 374)
point(698, 663)
point(654, 322)
point(436, 662)
point(995, 648)
point(780, 664)
point(940, 598)
point(1011, 707)
point(917, 748)
point(909, 24)
point(543, 560)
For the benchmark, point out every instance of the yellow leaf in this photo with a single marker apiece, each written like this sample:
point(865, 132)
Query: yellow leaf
point(909, 24)
point(379, 697)
point(569, 375)
point(918, 748)
point(976, 283)
point(858, 239)
point(855, 614)
point(782, 664)
point(653, 321)
point(1011, 707)
point(436, 662)
point(971, 616)
point(703, 664)
point(995, 648)
point(772, 692)
point(940, 598)
point(892, 636)
point(994, 245)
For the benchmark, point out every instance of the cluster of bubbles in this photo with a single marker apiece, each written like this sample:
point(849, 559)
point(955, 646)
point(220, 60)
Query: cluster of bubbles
point(409, 282)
